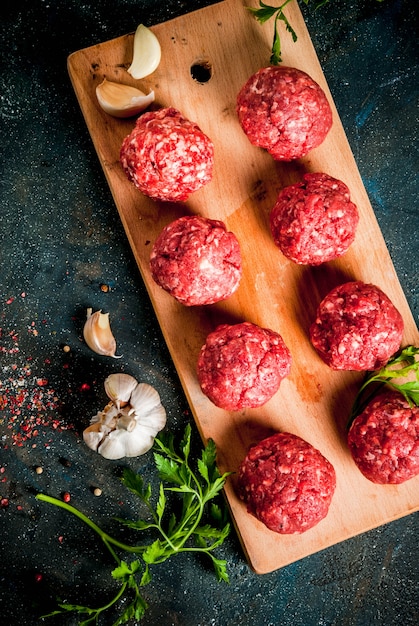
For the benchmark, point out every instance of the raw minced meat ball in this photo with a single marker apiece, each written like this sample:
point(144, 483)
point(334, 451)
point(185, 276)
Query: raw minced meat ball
point(384, 439)
point(166, 156)
point(197, 260)
point(314, 221)
point(242, 365)
point(286, 483)
point(357, 327)
point(283, 110)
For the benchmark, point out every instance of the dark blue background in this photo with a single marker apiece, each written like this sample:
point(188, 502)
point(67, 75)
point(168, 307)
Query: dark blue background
point(61, 238)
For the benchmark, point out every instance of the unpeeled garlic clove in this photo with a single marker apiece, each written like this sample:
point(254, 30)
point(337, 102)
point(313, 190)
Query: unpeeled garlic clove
point(122, 100)
point(98, 335)
point(121, 443)
point(94, 434)
point(146, 53)
point(119, 387)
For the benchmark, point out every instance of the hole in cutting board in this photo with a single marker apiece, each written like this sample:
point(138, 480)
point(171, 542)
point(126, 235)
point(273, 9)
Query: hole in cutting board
point(201, 71)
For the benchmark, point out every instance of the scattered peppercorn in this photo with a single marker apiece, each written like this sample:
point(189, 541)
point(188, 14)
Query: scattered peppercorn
point(39, 469)
point(66, 496)
point(97, 491)
point(66, 348)
point(104, 288)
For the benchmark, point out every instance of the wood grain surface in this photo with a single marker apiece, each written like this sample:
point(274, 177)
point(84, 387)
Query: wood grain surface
point(314, 401)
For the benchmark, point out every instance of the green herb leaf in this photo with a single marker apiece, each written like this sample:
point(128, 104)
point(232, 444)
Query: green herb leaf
point(266, 12)
point(404, 364)
point(154, 552)
point(168, 469)
point(122, 571)
point(135, 483)
point(161, 504)
point(186, 532)
point(220, 567)
point(185, 444)
point(136, 610)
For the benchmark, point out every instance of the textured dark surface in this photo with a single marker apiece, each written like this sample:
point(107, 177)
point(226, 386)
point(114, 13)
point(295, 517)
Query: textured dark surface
point(61, 239)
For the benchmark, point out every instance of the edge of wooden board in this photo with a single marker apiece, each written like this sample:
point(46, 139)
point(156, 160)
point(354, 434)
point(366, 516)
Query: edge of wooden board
point(248, 203)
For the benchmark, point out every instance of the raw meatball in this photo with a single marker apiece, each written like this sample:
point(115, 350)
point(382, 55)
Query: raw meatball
point(285, 111)
point(286, 483)
point(242, 365)
point(197, 260)
point(166, 156)
point(384, 439)
point(357, 328)
point(314, 221)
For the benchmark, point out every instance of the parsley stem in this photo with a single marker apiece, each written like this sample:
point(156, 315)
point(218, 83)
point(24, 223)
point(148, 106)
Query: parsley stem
point(107, 539)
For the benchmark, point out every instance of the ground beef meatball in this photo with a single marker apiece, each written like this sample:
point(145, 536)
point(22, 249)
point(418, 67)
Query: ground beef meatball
point(357, 328)
point(242, 365)
point(166, 156)
point(384, 439)
point(286, 483)
point(197, 260)
point(285, 111)
point(314, 221)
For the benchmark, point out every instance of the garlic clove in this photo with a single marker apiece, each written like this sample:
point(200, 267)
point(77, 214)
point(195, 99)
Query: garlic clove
point(108, 416)
point(153, 421)
point(146, 53)
point(122, 100)
point(119, 388)
point(94, 434)
point(98, 335)
point(144, 399)
point(126, 422)
point(121, 443)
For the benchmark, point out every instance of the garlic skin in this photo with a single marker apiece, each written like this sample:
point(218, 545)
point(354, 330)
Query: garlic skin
point(146, 53)
point(126, 428)
point(121, 100)
point(119, 388)
point(98, 335)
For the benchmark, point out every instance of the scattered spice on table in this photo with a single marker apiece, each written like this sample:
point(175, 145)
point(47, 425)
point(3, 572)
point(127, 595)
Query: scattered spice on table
point(29, 404)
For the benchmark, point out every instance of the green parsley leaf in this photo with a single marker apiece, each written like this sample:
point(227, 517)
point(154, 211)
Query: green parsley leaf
point(188, 531)
point(403, 365)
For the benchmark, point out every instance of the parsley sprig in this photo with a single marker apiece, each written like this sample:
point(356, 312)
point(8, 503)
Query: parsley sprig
point(265, 12)
point(402, 366)
point(186, 531)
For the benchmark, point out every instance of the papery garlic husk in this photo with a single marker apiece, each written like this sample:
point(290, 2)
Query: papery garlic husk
point(122, 100)
point(119, 388)
point(98, 335)
point(146, 53)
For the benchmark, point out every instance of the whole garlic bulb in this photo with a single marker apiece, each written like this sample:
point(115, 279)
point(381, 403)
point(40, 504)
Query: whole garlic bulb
point(129, 423)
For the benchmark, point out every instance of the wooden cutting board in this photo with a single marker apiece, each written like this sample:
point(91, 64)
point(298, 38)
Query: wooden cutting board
point(314, 401)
